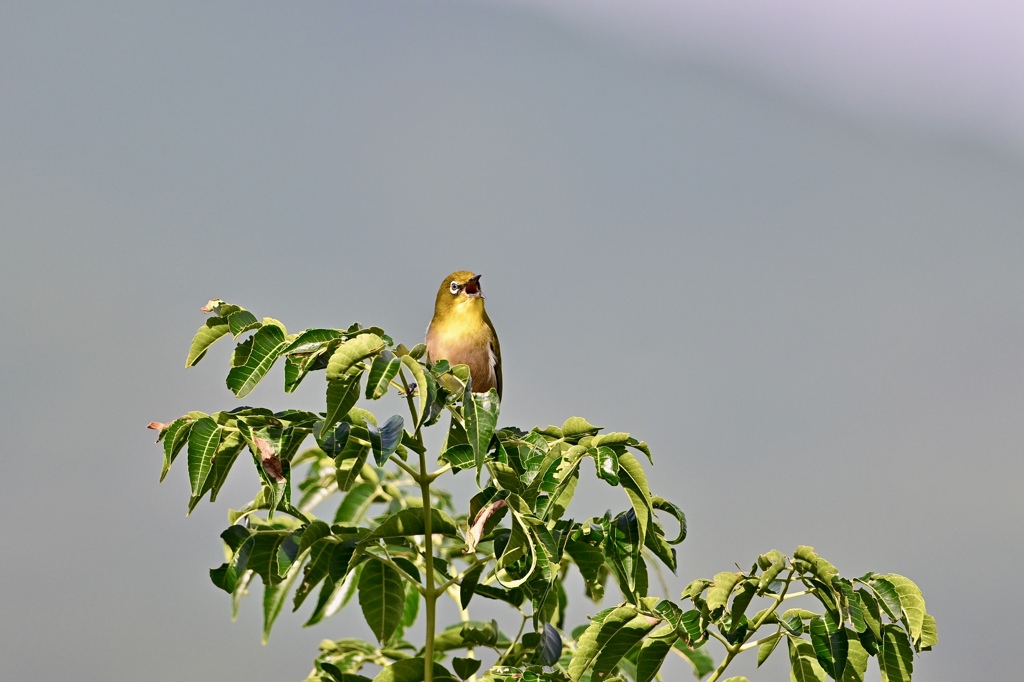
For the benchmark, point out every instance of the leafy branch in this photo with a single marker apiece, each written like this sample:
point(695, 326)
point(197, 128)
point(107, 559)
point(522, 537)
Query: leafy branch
point(359, 514)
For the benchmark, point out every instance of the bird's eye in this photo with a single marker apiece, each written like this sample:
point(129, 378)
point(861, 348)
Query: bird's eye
point(454, 288)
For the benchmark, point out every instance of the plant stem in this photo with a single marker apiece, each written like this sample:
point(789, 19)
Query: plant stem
point(430, 590)
point(407, 469)
point(512, 644)
point(733, 649)
point(460, 576)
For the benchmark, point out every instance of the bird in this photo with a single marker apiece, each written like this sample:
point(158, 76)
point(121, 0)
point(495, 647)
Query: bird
point(461, 333)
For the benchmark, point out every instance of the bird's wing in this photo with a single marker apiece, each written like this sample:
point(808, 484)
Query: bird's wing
point(495, 353)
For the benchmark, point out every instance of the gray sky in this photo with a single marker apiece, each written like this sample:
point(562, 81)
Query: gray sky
point(952, 67)
point(813, 320)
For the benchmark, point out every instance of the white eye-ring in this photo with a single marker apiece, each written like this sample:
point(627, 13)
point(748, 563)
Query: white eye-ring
point(454, 288)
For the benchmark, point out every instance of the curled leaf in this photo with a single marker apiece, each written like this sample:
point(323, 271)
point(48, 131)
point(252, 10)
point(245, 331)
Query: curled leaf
point(477, 529)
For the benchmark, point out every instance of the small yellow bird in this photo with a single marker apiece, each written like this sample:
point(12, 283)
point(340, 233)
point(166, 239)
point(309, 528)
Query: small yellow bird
point(461, 332)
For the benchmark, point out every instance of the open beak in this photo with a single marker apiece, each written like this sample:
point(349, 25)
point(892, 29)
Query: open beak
point(472, 288)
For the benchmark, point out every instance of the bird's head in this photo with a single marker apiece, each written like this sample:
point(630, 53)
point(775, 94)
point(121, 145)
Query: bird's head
point(459, 289)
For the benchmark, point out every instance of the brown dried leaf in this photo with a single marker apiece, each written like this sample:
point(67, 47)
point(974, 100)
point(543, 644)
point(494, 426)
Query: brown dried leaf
point(211, 305)
point(271, 464)
point(477, 529)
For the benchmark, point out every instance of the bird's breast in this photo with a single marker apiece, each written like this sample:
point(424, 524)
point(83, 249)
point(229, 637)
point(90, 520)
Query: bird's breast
point(460, 345)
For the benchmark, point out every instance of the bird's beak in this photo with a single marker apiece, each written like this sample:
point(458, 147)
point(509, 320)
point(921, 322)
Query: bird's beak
point(472, 288)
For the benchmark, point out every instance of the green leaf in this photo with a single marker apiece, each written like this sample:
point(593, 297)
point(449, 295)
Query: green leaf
point(517, 562)
point(411, 670)
point(514, 596)
point(342, 395)
point(475, 634)
point(559, 501)
point(481, 413)
point(240, 355)
point(650, 658)
point(175, 436)
point(912, 603)
point(411, 607)
point(578, 426)
point(341, 563)
point(227, 575)
point(468, 587)
point(241, 589)
point(242, 321)
point(853, 607)
point(385, 440)
point(767, 647)
point(740, 602)
point(888, 597)
point(333, 441)
point(272, 554)
point(661, 549)
point(857, 660)
point(350, 353)
point(550, 645)
point(382, 371)
point(692, 627)
point(349, 463)
point(929, 633)
point(297, 366)
point(408, 522)
point(610, 438)
point(607, 465)
point(267, 344)
point(699, 658)
point(382, 598)
point(316, 570)
point(333, 596)
point(793, 620)
point(313, 533)
point(624, 547)
point(830, 645)
point(633, 480)
point(718, 595)
point(464, 667)
point(870, 613)
point(214, 328)
point(203, 440)
point(661, 504)
point(418, 386)
point(459, 456)
point(598, 633)
point(336, 675)
point(313, 338)
point(355, 503)
point(589, 559)
point(437, 397)
point(896, 657)
point(803, 663)
point(504, 476)
point(550, 431)
point(227, 453)
point(274, 597)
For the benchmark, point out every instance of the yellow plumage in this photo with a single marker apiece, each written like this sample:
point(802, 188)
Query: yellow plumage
point(461, 333)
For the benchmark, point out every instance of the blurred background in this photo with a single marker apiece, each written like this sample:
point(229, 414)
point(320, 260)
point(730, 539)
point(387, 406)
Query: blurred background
point(781, 242)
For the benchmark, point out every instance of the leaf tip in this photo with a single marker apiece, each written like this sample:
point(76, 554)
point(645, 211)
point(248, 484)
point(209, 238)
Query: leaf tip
point(212, 305)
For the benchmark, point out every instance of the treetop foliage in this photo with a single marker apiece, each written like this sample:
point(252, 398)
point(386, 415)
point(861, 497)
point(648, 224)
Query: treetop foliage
point(357, 513)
